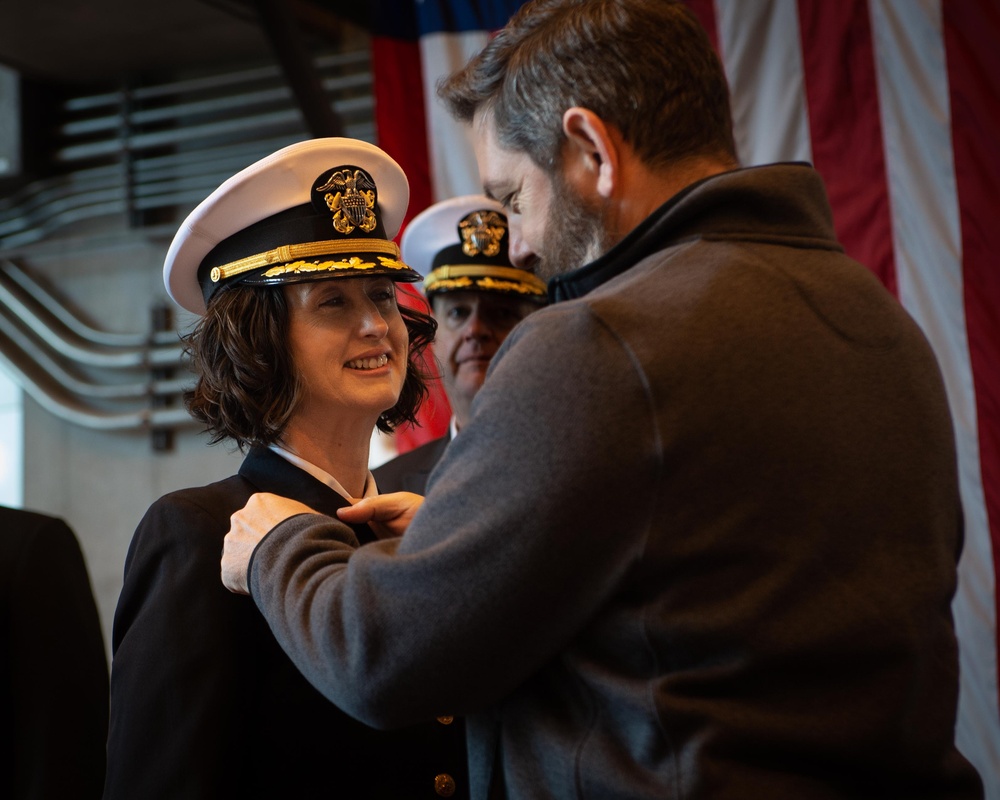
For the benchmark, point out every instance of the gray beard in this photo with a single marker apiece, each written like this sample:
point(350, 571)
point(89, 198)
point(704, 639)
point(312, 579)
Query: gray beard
point(577, 234)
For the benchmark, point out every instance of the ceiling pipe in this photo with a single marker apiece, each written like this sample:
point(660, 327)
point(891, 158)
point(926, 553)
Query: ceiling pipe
point(350, 59)
point(120, 358)
point(73, 323)
point(181, 140)
point(76, 413)
point(32, 348)
point(82, 388)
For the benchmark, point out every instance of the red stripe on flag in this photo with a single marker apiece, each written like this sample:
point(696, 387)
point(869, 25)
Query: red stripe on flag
point(398, 89)
point(402, 132)
point(846, 131)
point(971, 34)
point(434, 415)
point(704, 10)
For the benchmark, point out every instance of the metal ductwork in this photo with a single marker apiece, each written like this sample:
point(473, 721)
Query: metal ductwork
point(88, 377)
point(143, 152)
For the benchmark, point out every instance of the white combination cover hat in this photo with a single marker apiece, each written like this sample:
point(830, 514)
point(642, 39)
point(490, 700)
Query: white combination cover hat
point(462, 244)
point(316, 210)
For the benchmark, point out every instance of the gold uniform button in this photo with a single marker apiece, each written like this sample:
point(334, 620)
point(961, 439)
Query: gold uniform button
point(444, 785)
point(446, 720)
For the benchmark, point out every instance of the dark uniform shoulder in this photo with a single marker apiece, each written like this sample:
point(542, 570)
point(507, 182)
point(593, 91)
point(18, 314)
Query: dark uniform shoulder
point(408, 472)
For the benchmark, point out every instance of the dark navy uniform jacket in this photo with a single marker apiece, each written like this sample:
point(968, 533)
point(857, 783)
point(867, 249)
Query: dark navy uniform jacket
point(409, 472)
point(204, 703)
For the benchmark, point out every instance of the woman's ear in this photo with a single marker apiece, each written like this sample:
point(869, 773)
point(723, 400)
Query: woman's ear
point(591, 149)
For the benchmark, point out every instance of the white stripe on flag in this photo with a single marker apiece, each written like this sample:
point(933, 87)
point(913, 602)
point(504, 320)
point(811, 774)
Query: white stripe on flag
point(452, 160)
point(914, 100)
point(760, 48)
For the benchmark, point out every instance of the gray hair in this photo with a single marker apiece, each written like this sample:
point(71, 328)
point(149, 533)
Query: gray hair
point(646, 67)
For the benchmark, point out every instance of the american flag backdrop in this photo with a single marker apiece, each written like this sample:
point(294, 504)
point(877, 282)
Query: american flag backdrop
point(897, 104)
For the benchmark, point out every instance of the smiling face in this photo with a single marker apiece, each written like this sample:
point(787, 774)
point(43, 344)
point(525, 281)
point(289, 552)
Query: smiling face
point(471, 327)
point(349, 348)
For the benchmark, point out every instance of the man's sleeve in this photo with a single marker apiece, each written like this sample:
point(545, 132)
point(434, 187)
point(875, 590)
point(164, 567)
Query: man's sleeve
point(531, 520)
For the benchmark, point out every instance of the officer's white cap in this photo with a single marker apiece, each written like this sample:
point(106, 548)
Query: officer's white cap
point(276, 222)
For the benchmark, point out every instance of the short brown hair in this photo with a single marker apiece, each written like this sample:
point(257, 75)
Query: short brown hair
point(247, 389)
point(645, 66)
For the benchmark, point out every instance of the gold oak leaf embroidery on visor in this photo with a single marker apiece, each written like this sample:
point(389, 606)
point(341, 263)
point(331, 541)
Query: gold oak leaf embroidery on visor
point(453, 283)
point(504, 286)
point(331, 266)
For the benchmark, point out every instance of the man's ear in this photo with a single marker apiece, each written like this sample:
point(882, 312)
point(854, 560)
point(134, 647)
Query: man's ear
point(593, 146)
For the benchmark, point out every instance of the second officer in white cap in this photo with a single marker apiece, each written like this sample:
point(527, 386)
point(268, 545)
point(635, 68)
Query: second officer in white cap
point(300, 351)
point(477, 297)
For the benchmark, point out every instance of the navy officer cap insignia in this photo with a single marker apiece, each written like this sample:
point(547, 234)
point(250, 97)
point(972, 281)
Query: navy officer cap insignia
point(462, 244)
point(315, 210)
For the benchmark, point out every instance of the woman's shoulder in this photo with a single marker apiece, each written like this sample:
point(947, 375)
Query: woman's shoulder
point(213, 503)
point(233, 486)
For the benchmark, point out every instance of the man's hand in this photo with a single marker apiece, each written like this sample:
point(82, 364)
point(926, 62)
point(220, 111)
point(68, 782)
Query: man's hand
point(247, 527)
point(388, 515)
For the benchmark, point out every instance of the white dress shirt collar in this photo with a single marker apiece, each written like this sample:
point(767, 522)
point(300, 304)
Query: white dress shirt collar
point(371, 490)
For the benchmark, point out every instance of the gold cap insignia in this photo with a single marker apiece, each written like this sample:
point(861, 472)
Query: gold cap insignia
point(350, 194)
point(482, 232)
